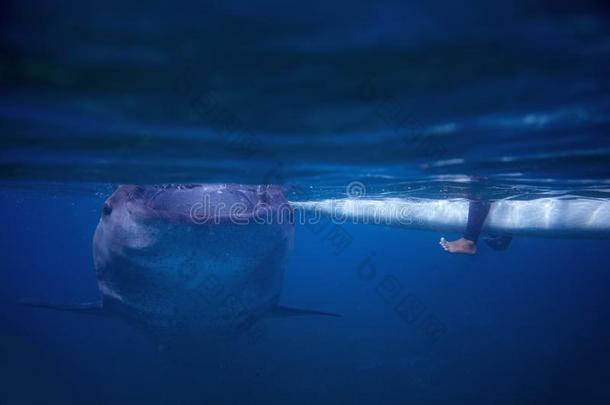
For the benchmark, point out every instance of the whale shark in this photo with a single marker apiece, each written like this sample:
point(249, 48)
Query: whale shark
point(192, 261)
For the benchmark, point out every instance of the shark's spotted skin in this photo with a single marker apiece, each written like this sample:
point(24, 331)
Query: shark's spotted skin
point(182, 260)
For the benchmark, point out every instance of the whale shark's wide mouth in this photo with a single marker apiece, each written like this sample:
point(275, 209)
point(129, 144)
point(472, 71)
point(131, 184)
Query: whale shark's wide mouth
point(205, 202)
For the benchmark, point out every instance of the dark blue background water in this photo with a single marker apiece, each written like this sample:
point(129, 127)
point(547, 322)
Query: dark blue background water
point(525, 325)
point(409, 98)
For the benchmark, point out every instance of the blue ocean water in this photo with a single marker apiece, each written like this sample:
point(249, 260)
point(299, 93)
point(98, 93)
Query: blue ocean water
point(410, 100)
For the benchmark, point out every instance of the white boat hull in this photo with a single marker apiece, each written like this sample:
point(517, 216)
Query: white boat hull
point(544, 217)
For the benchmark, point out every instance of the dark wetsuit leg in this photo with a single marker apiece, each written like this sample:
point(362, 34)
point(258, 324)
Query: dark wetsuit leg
point(477, 212)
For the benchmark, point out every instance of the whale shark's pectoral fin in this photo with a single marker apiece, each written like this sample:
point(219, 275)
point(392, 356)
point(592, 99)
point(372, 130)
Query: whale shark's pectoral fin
point(282, 311)
point(90, 308)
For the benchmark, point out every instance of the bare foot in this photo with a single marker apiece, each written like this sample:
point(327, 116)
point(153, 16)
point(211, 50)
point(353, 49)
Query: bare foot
point(459, 246)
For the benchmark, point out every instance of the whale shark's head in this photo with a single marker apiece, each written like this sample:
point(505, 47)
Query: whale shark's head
point(176, 253)
point(134, 216)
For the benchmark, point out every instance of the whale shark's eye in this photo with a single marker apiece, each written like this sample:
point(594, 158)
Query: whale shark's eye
point(106, 209)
